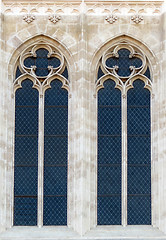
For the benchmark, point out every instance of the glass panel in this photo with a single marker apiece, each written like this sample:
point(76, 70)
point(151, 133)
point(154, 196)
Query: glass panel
point(25, 211)
point(18, 72)
point(139, 155)
point(53, 61)
point(65, 73)
point(123, 62)
point(55, 155)
point(100, 73)
point(109, 155)
point(42, 61)
point(26, 155)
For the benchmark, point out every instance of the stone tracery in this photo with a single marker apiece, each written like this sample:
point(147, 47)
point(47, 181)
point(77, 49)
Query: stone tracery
point(41, 62)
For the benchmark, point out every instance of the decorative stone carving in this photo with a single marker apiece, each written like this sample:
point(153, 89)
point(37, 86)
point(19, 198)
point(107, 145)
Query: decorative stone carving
point(29, 62)
point(112, 63)
point(111, 19)
point(106, 8)
point(29, 18)
point(54, 18)
point(137, 18)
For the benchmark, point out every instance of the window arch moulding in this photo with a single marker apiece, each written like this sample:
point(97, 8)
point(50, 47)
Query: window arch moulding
point(112, 65)
point(54, 65)
point(42, 64)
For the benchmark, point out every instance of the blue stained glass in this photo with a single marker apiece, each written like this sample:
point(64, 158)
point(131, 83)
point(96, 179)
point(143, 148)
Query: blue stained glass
point(138, 120)
point(109, 150)
point(55, 155)
point(138, 178)
point(53, 61)
point(123, 52)
point(26, 96)
point(139, 209)
point(111, 62)
point(147, 73)
point(55, 150)
point(56, 95)
point(29, 62)
point(26, 148)
point(100, 73)
point(65, 73)
point(25, 181)
point(109, 155)
point(139, 155)
point(55, 180)
point(56, 121)
point(136, 62)
point(109, 180)
point(109, 210)
point(18, 72)
point(25, 211)
point(42, 53)
point(41, 63)
point(138, 96)
point(106, 118)
point(124, 62)
point(41, 72)
point(139, 143)
point(26, 120)
point(109, 95)
point(55, 210)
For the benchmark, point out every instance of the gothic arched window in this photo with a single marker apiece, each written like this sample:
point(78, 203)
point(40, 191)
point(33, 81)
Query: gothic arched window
point(124, 137)
point(41, 137)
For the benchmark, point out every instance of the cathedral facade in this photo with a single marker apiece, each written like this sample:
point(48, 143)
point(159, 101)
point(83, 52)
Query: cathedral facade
point(83, 119)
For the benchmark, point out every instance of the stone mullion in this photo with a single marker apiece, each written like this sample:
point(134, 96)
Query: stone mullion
point(40, 160)
point(124, 159)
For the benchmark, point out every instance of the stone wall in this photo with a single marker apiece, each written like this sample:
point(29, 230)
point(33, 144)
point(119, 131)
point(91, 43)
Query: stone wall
point(82, 34)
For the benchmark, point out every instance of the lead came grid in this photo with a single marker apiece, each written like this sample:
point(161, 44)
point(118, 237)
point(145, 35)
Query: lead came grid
point(55, 155)
point(139, 155)
point(26, 155)
point(109, 155)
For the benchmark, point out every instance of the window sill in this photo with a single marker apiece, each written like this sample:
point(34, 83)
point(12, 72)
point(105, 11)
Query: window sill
point(100, 232)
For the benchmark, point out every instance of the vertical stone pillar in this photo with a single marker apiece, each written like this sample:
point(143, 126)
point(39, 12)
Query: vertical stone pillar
point(80, 219)
point(162, 127)
point(3, 130)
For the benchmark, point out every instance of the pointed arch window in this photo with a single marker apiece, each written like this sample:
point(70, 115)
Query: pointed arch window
point(124, 140)
point(41, 137)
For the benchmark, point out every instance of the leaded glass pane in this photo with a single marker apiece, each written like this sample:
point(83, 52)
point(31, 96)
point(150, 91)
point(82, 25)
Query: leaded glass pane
point(139, 155)
point(109, 155)
point(26, 155)
point(124, 61)
point(55, 155)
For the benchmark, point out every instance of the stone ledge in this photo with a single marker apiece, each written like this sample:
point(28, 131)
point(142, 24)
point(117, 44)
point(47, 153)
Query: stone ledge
point(98, 233)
